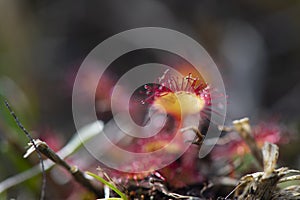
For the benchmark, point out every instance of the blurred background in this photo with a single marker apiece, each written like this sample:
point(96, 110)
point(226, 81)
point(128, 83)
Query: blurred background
point(255, 44)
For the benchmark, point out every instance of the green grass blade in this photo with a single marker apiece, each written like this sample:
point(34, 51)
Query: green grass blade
point(110, 185)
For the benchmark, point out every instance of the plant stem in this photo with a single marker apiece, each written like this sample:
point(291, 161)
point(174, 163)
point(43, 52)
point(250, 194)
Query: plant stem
point(244, 129)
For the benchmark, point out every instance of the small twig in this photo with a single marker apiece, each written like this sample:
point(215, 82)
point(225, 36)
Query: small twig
point(34, 145)
point(78, 175)
point(199, 136)
point(87, 132)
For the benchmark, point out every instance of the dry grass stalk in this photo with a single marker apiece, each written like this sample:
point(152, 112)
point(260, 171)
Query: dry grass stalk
point(264, 185)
